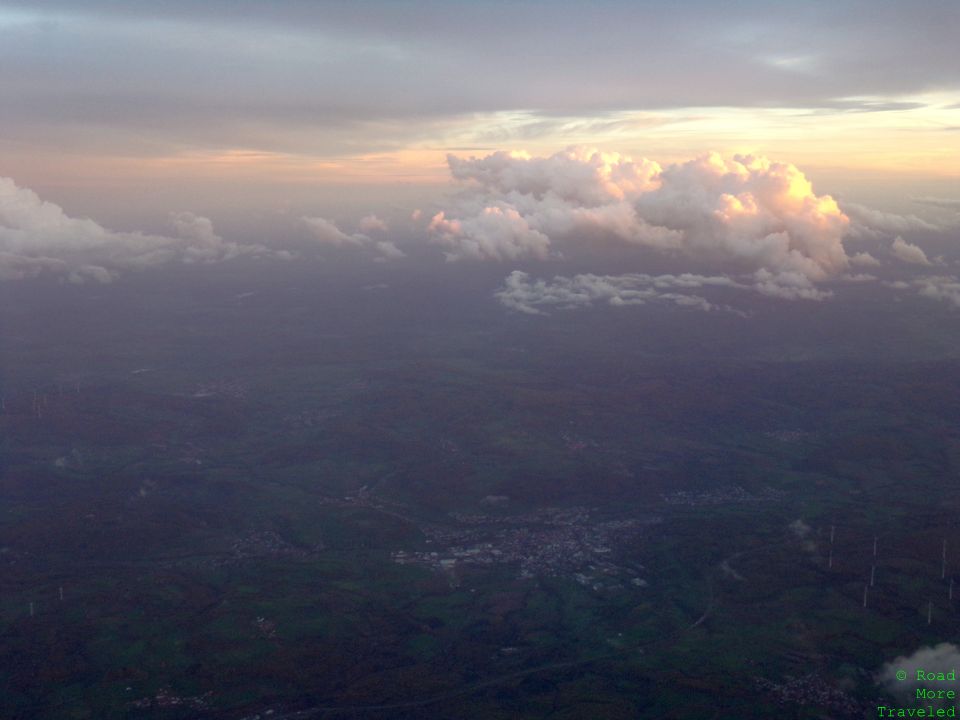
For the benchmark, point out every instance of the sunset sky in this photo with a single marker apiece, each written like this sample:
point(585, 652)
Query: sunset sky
point(239, 112)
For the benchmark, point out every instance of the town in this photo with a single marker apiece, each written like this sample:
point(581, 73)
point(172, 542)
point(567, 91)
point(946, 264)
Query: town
point(550, 541)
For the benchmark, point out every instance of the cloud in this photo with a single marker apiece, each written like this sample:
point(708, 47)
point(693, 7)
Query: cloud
point(939, 288)
point(371, 223)
point(745, 211)
point(522, 293)
point(581, 176)
point(495, 233)
point(752, 211)
point(387, 250)
point(908, 252)
point(948, 203)
point(868, 222)
point(864, 259)
point(935, 287)
point(858, 278)
point(788, 285)
point(39, 238)
point(204, 244)
point(516, 205)
point(325, 232)
point(358, 67)
point(940, 658)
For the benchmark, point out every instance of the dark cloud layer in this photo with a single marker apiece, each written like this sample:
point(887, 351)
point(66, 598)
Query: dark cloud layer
point(193, 72)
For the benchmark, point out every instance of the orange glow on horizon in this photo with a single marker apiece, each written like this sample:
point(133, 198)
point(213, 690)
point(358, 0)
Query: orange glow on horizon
point(921, 143)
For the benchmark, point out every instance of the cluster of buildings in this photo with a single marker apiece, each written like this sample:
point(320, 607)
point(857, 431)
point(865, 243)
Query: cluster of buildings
point(267, 543)
point(812, 690)
point(303, 419)
point(720, 496)
point(256, 545)
point(166, 699)
point(789, 436)
point(552, 542)
point(221, 387)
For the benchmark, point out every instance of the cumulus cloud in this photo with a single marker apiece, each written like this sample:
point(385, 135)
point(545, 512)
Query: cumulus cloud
point(577, 175)
point(745, 211)
point(751, 210)
point(788, 285)
point(38, 237)
point(204, 245)
point(864, 259)
point(908, 252)
point(371, 223)
point(326, 232)
point(939, 288)
point(945, 288)
point(495, 233)
point(868, 222)
point(387, 250)
point(858, 278)
point(517, 205)
point(522, 293)
point(940, 658)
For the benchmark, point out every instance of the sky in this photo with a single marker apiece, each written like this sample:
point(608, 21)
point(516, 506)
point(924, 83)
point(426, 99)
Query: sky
point(741, 136)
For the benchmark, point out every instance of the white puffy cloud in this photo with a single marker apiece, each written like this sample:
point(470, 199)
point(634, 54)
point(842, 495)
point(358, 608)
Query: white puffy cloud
point(38, 238)
point(858, 278)
point(495, 233)
point(580, 176)
point(517, 205)
point(387, 250)
point(522, 293)
point(939, 288)
point(204, 245)
point(868, 222)
point(326, 232)
point(908, 252)
point(935, 287)
point(864, 259)
point(371, 223)
point(744, 211)
point(788, 285)
point(751, 210)
point(525, 294)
